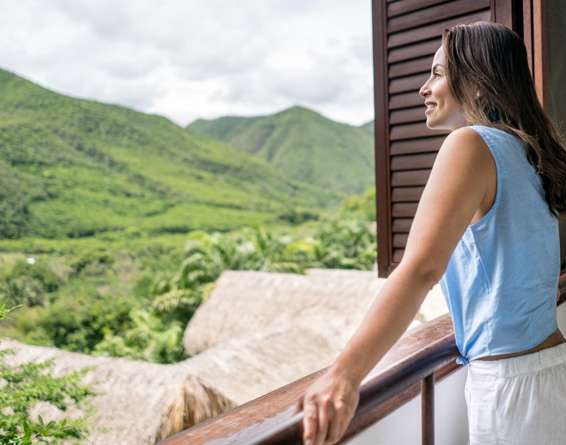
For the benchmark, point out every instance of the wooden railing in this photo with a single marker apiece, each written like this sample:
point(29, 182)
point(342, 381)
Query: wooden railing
point(418, 360)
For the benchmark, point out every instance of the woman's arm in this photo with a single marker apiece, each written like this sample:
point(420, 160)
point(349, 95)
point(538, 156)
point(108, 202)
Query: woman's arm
point(453, 193)
point(387, 319)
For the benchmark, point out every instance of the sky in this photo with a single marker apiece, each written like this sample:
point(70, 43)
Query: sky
point(189, 59)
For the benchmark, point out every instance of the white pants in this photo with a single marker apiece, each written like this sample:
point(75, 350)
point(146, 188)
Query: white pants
point(518, 400)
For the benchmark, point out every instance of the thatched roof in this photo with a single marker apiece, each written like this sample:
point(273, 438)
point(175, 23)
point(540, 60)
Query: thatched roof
point(331, 303)
point(259, 331)
point(138, 402)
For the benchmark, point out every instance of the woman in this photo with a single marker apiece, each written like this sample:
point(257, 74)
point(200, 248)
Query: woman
point(486, 228)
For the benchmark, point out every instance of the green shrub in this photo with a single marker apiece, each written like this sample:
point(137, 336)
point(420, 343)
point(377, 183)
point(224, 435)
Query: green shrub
point(92, 263)
point(28, 283)
point(150, 338)
point(296, 216)
point(345, 244)
point(79, 322)
point(30, 383)
point(359, 206)
point(14, 205)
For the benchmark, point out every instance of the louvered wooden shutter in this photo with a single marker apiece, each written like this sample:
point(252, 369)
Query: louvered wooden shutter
point(406, 34)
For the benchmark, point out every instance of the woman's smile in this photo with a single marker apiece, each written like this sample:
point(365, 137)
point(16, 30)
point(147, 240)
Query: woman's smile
point(430, 106)
point(430, 109)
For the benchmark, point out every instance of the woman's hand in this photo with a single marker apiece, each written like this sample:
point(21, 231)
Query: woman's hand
point(329, 404)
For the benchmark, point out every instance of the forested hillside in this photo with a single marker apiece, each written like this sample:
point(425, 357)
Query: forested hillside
point(302, 144)
point(74, 168)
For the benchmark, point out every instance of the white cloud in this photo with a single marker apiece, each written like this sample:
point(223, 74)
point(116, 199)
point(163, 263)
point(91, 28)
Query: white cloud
point(197, 58)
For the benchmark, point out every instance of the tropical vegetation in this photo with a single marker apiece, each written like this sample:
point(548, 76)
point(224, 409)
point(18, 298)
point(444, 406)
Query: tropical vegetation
point(78, 300)
point(27, 384)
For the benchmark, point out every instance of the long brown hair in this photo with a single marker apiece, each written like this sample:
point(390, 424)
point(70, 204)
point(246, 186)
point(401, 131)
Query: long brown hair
point(488, 74)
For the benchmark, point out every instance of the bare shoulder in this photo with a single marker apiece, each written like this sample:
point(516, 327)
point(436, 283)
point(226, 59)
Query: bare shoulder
point(467, 138)
point(464, 148)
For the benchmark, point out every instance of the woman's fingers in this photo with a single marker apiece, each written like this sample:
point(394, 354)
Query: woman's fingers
point(328, 405)
point(335, 430)
point(325, 411)
point(310, 421)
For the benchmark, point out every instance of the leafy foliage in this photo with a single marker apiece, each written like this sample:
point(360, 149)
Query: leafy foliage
point(146, 320)
point(92, 263)
point(294, 215)
point(79, 322)
point(14, 205)
point(149, 338)
point(28, 284)
point(360, 206)
point(29, 383)
point(345, 244)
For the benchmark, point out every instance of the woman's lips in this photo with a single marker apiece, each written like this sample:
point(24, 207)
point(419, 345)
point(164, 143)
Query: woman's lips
point(430, 109)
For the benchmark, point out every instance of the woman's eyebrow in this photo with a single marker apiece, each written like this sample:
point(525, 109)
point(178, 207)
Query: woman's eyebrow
point(435, 65)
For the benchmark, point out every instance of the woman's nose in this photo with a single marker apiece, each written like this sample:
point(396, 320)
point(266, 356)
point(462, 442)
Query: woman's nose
point(422, 90)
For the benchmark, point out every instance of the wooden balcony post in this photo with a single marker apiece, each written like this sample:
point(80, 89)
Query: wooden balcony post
point(427, 410)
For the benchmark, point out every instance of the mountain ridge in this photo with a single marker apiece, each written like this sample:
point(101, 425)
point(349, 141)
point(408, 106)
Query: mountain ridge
point(306, 145)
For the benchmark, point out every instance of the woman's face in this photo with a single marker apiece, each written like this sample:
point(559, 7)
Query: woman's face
point(443, 112)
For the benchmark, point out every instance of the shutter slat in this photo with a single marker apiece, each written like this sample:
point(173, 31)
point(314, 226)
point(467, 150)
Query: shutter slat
point(409, 83)
point(397, 256)
point(406, 194)
point(400, 240)
point(411, 67)
point(407, 115)
point(404, 210)
point(435, 13)
point(405, 100)
point(418, 145)
point(411, 131)
point(409, 178)
point(401, 225)
point(405, 6)
point(411, 162)
point(433, 29)
point(427, 48)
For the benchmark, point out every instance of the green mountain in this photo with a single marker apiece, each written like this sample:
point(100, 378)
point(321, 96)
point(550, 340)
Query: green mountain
point(368, 126)
point(302, 144)
point(73, 167)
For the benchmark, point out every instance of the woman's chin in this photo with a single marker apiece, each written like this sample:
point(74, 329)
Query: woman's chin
point(434, 124)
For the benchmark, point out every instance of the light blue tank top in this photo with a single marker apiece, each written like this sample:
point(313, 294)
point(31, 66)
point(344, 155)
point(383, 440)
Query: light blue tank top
point(501, 280)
